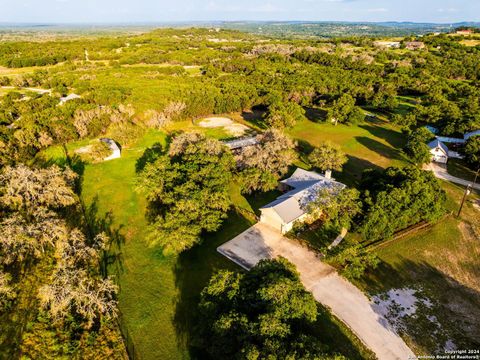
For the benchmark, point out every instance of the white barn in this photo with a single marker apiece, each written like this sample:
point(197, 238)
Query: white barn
point(439, 151)
point(303, 187)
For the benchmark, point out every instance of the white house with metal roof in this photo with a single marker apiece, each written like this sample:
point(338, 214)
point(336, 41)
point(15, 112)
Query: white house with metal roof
point(439, 151)
point(303, 187)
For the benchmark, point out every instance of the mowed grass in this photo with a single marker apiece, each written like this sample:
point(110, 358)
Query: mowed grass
point(145, 276)
point(159, 295)
point(369, 145)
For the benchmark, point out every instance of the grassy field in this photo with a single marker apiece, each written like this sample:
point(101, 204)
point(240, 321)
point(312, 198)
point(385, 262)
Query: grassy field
point(369, 145)
point(159, 294)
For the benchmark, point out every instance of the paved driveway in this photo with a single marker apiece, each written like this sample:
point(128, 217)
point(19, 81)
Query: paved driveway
point(441, 172)
point(346, 301)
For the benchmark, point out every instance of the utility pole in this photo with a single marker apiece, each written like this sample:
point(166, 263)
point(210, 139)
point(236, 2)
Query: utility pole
point(467, 192)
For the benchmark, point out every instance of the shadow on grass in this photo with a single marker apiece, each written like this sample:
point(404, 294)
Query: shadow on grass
point(455, 305)
point(149, 156)
point(380, 148)
point(193, 271)
point(255, 116)
point(395, 139)
point(95, 224)
point(353, 170)
point(315, 114)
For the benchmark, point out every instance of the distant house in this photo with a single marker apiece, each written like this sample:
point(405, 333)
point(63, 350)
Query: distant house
point(387, 44)
point(415, 45)
point(439, 151)
point(301, 188)
point(70, 97)
point(116, 152)
point(464, 32)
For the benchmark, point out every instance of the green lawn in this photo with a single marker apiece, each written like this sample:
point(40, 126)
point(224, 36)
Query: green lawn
point(368, 145)
point(459, 168)
point(159, 294)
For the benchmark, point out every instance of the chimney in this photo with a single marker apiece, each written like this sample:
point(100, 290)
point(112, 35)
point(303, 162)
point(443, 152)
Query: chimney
point(328, 174)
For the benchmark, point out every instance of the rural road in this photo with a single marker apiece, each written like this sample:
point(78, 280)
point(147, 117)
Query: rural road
point(441, 173)
point(40, 91)
point(345, 300)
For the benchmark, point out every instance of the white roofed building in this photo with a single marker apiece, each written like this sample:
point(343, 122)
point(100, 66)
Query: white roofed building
point(302, 188)
point(439, 151)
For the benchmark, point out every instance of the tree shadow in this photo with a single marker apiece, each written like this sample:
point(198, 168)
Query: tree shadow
point(378, 147)
point(315, 114)
point(390, 136)
point(455, 306)
point(255, 116)
point(193, 271)
point(149, 156)
point(353, 170)
point(95, 224)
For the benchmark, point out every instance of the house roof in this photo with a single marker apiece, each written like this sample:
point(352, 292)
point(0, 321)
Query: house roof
point(438, 144)
point(306, 185)
point(241, 143)
point(470, 134)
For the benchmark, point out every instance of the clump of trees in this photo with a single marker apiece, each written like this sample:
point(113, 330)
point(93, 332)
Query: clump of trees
point(472, 151)
point(38, 239)
point(399, 198)
point(417, 148)
point(188, 190)
point(263, 314)
point(327, 156)
point(282, 115)
point(343, 110)
point(260, 166)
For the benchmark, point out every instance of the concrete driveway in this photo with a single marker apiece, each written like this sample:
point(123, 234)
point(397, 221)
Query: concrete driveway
point(346, 301)
point(440, 171)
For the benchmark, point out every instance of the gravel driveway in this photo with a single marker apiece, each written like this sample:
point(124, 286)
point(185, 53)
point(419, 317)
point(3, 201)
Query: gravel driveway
point(441, 172)
point(346, 301)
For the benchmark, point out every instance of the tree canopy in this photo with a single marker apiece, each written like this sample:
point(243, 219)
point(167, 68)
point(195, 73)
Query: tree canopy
point(187, 190)
point(263, 314)
point(328, 156)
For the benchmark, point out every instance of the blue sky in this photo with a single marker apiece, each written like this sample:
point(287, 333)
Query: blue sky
point(68, 11)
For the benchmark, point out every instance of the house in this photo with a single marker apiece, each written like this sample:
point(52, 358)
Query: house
point(432, 129)
point(439, 151)
point(116, 152)
point(415, 45)
point(464, 32)
point(65, 99)
point(300, 189)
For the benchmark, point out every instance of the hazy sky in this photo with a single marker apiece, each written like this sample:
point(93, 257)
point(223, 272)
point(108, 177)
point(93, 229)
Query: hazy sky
point(66, 11)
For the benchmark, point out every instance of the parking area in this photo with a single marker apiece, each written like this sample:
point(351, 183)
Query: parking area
point(345, 300)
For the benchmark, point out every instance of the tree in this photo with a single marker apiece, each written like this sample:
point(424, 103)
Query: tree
point(343, 110)
point(416, 148)
point(399, 198)
point(260, 166)
point(187, 190)
point(328, 156)
point(353, 259)
point(7, 293)
point(284, 114)
point(472, 150)
point(335, 205)
point(262, 314)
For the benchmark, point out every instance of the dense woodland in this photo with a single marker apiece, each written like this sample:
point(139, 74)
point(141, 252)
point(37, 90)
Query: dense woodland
point(158, 80)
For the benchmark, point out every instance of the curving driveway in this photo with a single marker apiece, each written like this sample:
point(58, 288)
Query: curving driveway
point(441, 172)
point(345, 300)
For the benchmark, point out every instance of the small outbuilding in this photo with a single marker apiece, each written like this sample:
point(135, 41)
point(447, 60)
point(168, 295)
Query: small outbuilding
point(68, 98)
point(301, 188)
point(439, 151)
point(116, 152)
point(470, 134)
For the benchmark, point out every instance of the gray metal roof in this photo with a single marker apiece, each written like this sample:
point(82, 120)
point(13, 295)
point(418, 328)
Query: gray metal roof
point(470, 134)
point(306, 184)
